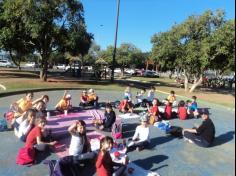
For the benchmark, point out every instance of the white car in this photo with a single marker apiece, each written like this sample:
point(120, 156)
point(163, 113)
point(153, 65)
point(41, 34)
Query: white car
point(129, 71)
point(6, 63)
point(61, 66)
point(30, 65)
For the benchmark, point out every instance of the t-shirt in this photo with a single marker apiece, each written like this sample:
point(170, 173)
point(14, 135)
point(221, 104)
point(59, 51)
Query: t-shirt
point(77, 144)
point(110, 119)
point(168, 111)
point(24, 128)
point(31, 139)
point(139, 98)
point(84, 98)
point(182, 113)
point(151, 96)
point(104, 165)
point(171, 98)
point(142, 134)
point(207, 130)
point(92, 97)
point(63, 104)
point(193, 106)
point(24, 105)
point(154, 110)
point(129, 95)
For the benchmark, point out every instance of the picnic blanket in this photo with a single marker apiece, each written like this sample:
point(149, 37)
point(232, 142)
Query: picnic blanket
point(60, 123)
point(129, 116)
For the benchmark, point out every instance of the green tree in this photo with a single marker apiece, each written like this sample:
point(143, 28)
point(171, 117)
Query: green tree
point(48, 26)
point(220, 48)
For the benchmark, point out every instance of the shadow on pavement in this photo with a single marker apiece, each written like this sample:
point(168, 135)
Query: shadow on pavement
point(223, 138)
point(149, 162)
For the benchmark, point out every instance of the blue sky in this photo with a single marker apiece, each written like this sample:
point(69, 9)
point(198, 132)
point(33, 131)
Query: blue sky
point(141, 19)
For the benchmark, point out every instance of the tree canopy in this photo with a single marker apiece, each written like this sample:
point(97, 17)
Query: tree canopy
point(44, 27)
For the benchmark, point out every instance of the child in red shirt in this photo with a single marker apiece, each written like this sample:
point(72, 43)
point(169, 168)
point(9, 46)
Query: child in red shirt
point(126, 106)
point(153, 111)
point(168, 110)
point(34, 138)
point(182, 111)
point(104, 164)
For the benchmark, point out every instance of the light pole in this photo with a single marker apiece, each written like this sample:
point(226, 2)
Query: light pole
point(114, 52)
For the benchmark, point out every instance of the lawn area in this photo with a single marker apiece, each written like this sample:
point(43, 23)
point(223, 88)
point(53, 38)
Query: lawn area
point(15, 80)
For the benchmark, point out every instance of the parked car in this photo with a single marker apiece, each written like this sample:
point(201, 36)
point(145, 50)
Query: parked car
point(149, 73)
point(61, 67)
point(31, 65)
point(6, 63)
point(76, 66)
point(130, 71)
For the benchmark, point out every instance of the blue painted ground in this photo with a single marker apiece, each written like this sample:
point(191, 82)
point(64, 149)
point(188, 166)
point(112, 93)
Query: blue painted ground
point(168, 156)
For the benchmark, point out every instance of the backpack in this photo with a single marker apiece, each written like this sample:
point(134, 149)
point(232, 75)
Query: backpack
point(117, 131)
point(3, 125)
point(26, 155)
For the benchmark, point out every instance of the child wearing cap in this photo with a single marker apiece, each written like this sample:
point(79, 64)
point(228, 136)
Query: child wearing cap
point(141, 138)
point(64, 103)
point(204, 135)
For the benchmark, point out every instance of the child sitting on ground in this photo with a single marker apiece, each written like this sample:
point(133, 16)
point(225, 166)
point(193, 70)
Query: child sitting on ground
point(22, 105)
point(127, 93)
point(79, 142)
point(182, 111)
point(141, 138)
point(92, 98)
point(172, 98)
point(126, 106)
point(192, 108)
point(84, 99)
point(39, 107)
point(45, 99)
point(141, 102)
point(35, 136)
point(168, 110)
point(151, 95)
point(24, 124)
point(64, 103)
point(105, 165)
point(153, 112)
point(107, 123)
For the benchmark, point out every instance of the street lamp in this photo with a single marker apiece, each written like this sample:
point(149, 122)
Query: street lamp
point(114, 52)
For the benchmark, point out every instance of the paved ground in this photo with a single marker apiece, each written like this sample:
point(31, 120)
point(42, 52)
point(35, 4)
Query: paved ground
point(168, 156)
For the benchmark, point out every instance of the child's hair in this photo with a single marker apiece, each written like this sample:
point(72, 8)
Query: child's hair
point(81, 123)
point(46, 97)
point(39, 120)
point(153, 88)
point(172, 92)
point(194, 97)
point(144, 90)
point(29, 92)
point(106, 139)
point(108, 105)
point(181, 103)
point(41, 101)
point(169, 103)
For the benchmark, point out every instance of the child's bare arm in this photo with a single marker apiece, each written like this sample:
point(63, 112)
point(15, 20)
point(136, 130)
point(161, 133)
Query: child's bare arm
point(71, 129)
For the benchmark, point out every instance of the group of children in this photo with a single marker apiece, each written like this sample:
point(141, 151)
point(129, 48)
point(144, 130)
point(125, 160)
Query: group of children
point(29, 122)
point(185, 110)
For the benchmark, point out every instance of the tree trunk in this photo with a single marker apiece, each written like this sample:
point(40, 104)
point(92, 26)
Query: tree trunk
point(122, 71)
point(147, 65)
point(44, 69)
point(197, 82)
point(186, 86)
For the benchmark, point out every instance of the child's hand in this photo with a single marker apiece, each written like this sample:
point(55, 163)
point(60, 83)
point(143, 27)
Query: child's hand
point(53, 143)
